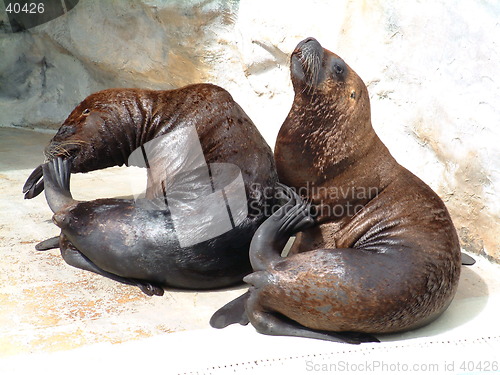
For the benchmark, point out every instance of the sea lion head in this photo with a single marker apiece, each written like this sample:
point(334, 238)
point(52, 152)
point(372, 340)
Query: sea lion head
point(95, 133)
point(329, 123)
point(329, 119)
point(323, 80)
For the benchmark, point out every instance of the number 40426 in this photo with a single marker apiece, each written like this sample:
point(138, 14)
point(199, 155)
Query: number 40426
point(32, 8)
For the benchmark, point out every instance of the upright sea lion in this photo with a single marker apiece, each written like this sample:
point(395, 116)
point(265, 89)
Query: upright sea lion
point(200, 146)
point(383, 255)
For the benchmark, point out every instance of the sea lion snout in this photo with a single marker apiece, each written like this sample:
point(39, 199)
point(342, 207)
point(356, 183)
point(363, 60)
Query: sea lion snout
point(61, 219)
point(63, 149)
point(64, 218)
point(67, 142)
point(308, 45)
point(307, 63)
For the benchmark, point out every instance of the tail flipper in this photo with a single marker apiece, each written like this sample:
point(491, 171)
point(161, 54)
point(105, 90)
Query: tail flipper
point(34, 183)
point(233, 312)
point(56, 174)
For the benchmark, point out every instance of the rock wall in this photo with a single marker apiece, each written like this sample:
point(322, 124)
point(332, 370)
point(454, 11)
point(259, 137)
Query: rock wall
point(431, 68)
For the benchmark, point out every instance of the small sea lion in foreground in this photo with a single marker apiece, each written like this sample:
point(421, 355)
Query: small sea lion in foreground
point(383, 255)
point(205, 150)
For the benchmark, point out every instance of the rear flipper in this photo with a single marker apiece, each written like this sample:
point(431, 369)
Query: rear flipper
point(265, 248)
point(34, 183)
point(51, 243)
point(231, 313)
point(467, 260)
point(75, 258)
point(275, 324)
point(56, 175)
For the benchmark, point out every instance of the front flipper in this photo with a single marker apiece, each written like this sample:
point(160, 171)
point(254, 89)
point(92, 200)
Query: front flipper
point(51, 243)
point(467, 260)
point(275, 324)
point(231, 313)
point(271, 237)
point(75, 258)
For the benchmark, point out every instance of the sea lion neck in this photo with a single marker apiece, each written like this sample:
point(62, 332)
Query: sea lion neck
point(325, 136)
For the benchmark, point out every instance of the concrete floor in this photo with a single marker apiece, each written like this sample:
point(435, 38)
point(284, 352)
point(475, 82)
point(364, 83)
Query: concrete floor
point(54, 317)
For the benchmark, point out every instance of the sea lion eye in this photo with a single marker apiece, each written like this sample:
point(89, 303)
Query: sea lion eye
point(338, 69)
point(353, 94)
point(86, 111)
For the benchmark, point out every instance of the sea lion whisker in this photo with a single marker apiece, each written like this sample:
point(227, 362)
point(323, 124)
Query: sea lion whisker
point(308, 70)
point(74, 142)
point(312, 66)
point(317, 66)
point(60, 148)
point(56, 150)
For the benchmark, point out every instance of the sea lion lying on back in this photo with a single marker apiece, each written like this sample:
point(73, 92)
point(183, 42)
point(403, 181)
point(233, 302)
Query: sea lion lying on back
point(199, 146)
point(382, 255)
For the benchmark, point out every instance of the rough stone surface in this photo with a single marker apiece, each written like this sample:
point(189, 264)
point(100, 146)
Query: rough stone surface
point(431, 68)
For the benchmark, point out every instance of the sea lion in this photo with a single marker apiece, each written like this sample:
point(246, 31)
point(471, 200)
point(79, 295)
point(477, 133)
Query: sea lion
point(200, 144)
point(383, 255)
